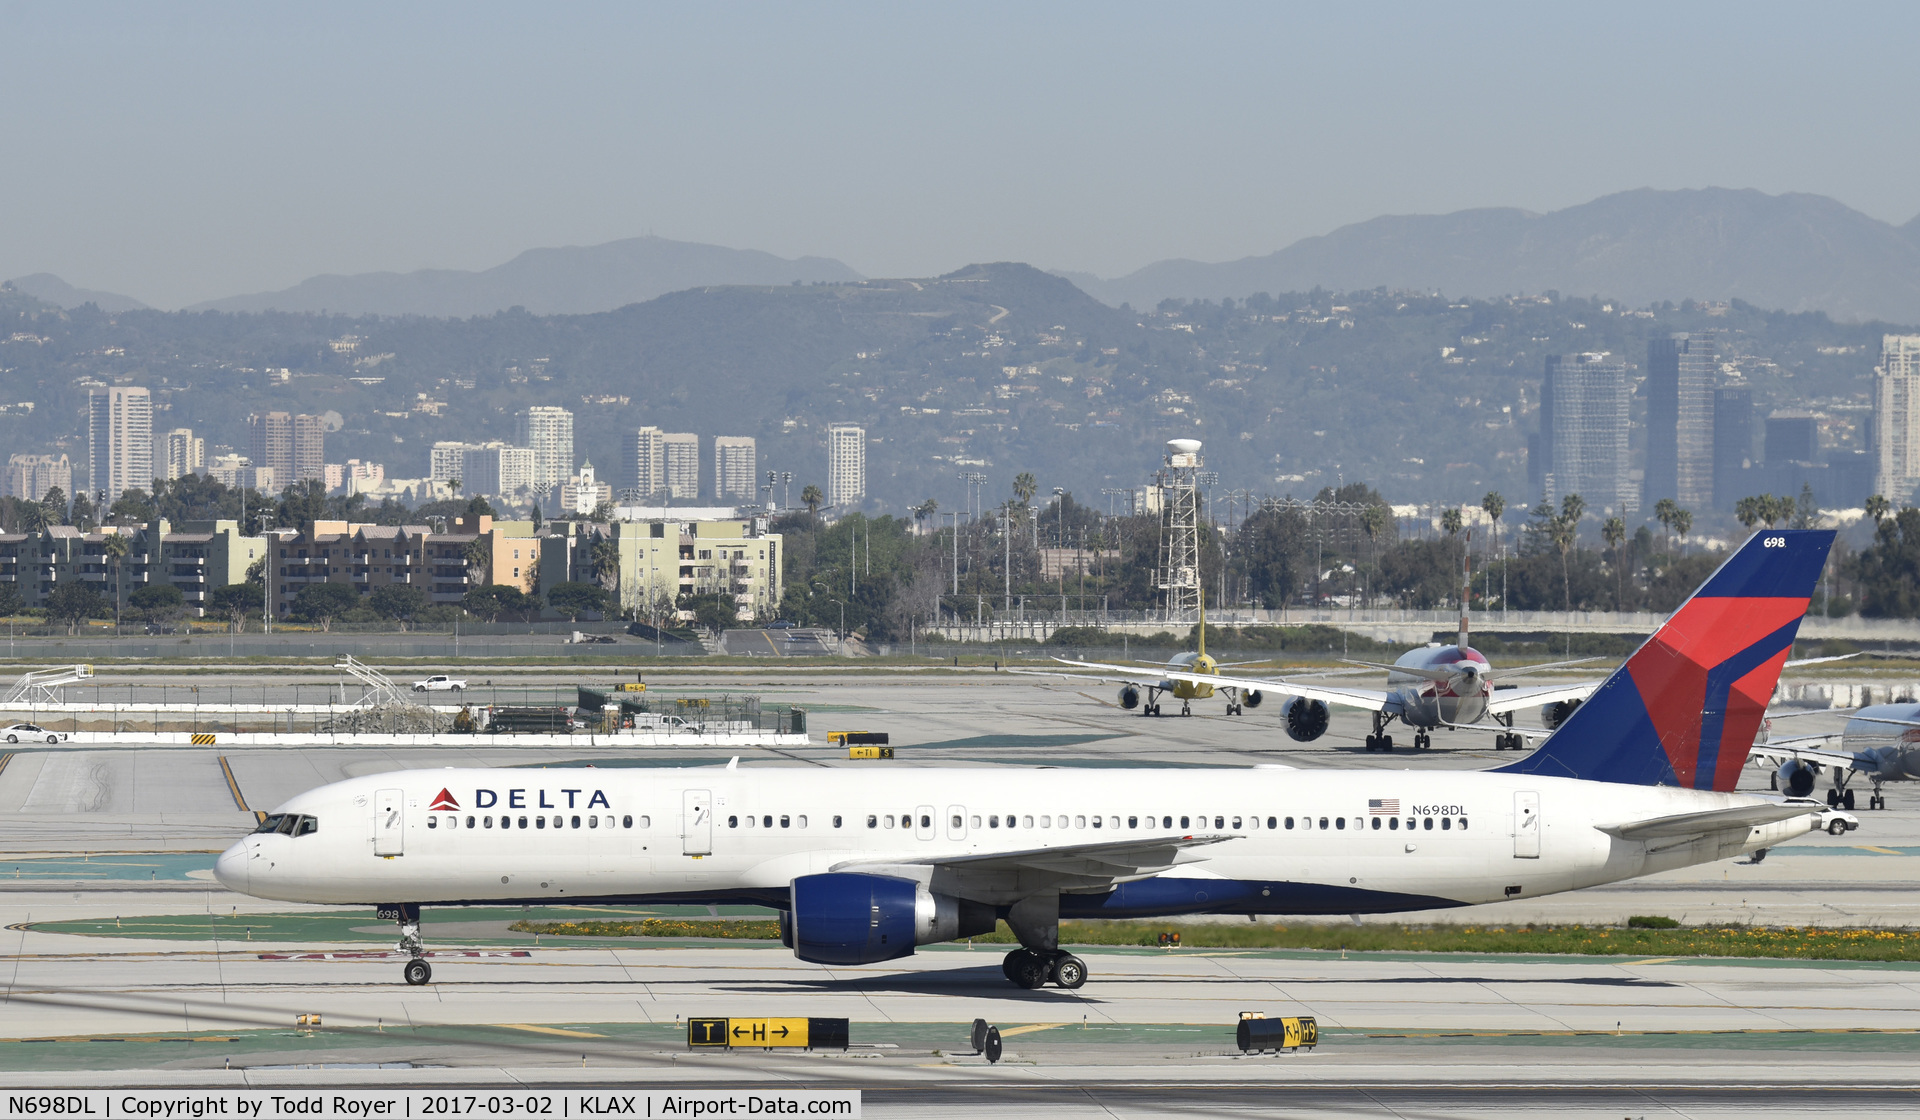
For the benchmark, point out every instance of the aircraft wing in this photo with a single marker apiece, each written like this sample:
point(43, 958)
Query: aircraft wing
point(1370, 699)
point(1068, 868)
point(1513, 699)
point(1783, 750)
point(1714, 820)
point(1110, 673)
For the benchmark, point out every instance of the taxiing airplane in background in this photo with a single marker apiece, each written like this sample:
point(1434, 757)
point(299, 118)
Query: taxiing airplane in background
point(1428, 688)
point(1881, 742)
point(865, 865)
point(1195, 669)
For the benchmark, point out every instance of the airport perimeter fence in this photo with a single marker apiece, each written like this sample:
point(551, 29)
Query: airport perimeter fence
point(374, 647)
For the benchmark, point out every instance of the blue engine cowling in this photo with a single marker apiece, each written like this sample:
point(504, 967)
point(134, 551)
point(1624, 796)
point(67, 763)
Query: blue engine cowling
point(850, 918)
point(1251, 698)
point(1794, 778)
point(1129, 697)
point(1306, 720)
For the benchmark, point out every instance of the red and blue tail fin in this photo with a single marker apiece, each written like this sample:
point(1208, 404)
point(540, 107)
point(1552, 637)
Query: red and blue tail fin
point(1685, 707)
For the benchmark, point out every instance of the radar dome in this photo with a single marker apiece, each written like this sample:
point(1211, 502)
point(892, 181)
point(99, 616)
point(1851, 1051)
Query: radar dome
point(1183, 446)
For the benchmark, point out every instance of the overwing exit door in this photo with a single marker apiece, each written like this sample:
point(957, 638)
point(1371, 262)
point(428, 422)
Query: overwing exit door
point(696, 830)
point(1526, 825)
point(389, 823)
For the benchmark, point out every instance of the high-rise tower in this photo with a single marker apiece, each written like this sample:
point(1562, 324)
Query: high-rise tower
point(119, 440)
point(1680, 375)
point(846, 465)
point(548, 430)
point(1583, 432)
point(1896, 418)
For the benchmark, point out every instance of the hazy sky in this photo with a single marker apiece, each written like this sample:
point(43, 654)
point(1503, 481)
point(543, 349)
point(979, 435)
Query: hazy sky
point(179, 152)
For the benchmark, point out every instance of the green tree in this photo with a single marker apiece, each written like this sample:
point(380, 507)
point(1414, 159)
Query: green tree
point(1888, 570)
point(1025, 486)
point(53, 505)
point(499, 600)
point(479, 557)
point(1878, 508)
point(604, 555)
point(74, 603)
point(1452, 521)
point(1806, 512)
point(236, 601)
point(29, 518)
point(715, 611)
point(10, 601)
point(573, 599)
point(84, 516)
point(1682, 525)
point(301, 504)
point(133, 507)
point(401, 602)
point(158, 602)
point(323, 602)
point(811, 497)
point(1663, 511)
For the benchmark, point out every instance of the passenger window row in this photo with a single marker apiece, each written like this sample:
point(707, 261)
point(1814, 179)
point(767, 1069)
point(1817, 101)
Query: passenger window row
point(592, 820)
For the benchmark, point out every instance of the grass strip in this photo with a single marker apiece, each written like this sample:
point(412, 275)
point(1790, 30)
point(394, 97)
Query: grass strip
point(1576, 940)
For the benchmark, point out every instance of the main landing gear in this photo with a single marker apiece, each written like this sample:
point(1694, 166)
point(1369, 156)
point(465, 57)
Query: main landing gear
point(416, 971)
point(1379, 740)
point(1033, 969)
point(1508, 740)
point(1422, 740)
point(1040, 961)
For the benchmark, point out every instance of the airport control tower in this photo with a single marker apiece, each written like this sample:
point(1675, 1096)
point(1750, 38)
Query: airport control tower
point(1180, 530)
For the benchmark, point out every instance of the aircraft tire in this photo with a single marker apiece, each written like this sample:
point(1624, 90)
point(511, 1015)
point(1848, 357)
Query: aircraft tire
point(1031, 970)
point(1006, 965)
point(417, 972)
point(1846, 800)
point(1069, 971)
point(1386, 743)
point(1833, 799)
point(1876, 802)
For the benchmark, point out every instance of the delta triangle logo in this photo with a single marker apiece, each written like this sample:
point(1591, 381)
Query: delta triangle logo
point(445, 801)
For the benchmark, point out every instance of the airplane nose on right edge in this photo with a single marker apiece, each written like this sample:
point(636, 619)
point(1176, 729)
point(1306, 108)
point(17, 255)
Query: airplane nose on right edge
point(231, 868)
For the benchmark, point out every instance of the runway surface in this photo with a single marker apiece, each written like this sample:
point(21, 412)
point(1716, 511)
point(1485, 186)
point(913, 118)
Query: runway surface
point(1151, 1033)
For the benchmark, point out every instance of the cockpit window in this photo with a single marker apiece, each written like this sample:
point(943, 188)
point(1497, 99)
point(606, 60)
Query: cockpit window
point(272, 823)
point(308, 826)
point(287, 825)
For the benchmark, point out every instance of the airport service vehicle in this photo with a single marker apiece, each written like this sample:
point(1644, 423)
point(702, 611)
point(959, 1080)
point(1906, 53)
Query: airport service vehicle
point(440, 682)
point(1881, 741)
point(19, 731)
point(865, 865)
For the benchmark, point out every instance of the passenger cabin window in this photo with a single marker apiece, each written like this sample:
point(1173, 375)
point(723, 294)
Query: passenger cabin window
point(1270, 822)
point(836, 820)
point(1183, 823)
point(1289, 822)
point(872, 821)
point(733, 822)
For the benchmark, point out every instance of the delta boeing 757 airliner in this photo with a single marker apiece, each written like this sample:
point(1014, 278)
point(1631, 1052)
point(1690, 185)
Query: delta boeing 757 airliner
point(864, 865)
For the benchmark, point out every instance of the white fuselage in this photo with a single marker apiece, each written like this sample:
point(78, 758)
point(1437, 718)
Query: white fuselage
point(1301, 841)
point(1424, 703)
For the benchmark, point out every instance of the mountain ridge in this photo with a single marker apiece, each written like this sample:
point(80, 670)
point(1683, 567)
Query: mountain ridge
point(50, 289)
point(562, 280)
point(1795, 252)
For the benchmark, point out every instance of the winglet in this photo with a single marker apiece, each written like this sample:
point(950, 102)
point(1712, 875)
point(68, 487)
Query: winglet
point(1684, 709)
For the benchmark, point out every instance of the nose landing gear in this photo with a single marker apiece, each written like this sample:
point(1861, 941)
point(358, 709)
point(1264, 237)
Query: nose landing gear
point(416, 971)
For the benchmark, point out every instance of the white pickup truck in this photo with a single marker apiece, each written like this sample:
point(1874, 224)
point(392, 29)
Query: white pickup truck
point(440, 682)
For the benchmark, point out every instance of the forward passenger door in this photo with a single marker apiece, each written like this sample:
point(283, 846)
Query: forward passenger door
point(696, 829)
point(1526, 825)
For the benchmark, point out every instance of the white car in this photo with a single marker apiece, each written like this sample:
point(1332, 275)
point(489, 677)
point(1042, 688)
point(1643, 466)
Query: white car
point(439, 682)
point(29, 731)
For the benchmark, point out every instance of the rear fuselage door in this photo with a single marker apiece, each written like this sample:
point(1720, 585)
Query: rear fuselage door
point(1526, 825)
point(696, 833)
point(389, 822)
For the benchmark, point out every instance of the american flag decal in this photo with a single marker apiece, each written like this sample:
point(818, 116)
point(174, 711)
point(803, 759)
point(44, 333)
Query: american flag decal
point(1383, 806)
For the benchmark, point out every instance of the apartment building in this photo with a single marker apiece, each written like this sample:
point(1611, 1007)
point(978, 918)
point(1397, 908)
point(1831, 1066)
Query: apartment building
point(680, 466)
point(846, 465)
point(293, 446)
point(548, 430)
point(119, 441)
point(663, 558)
point(31, 476)
point(364, 557)
point(183, 453)
point(198, 557)
point(1583, 427)
point(1896, 418)
point(643, 462)
point(736, 472)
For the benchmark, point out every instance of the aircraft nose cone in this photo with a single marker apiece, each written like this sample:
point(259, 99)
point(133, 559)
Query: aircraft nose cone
point(231, 868)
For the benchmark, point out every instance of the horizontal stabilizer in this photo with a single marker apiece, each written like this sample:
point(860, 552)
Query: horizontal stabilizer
point(1714, 820)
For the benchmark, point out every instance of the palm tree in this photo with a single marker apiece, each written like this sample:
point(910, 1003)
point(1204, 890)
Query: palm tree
point(811, 497)
point(115, 547)
point(1495, 505)
point(1373, 522)
point(1878, 508)
point(605, 555)
point(1025, 486)
point(1614, 532)
point(926, 509)
point(1682, 525)
point(1749, 511)
point(1452, 522)
point(479, 558)
point(1565, 532)
point(1663, 511)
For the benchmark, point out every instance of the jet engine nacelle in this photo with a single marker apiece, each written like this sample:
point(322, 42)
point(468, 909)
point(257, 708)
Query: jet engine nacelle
point(1794, 778)
point(1129, 697)
point(1251, 698)
point(1306, 720)
point(1555, 714)
point(850, 918)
